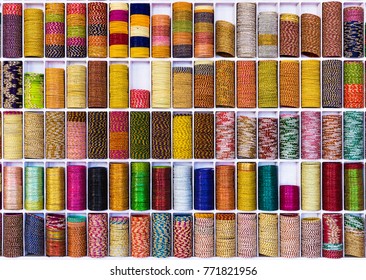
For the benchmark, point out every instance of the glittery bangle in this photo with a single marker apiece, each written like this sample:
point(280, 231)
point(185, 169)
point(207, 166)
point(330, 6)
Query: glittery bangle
point(225, 235)
point(182, 234)
point(97, 235)
point(268, 235)
point(34, 235)
point(289, 35)
point(97, 29)
point(246, 29)
point(247, 235)
point(204, 131)
point(161, 235)
point(203, 235)
point(289, 235)
point(332, 29)
point(310, 35)
point(12, 84)
point(12, 30)
point(13, 235)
